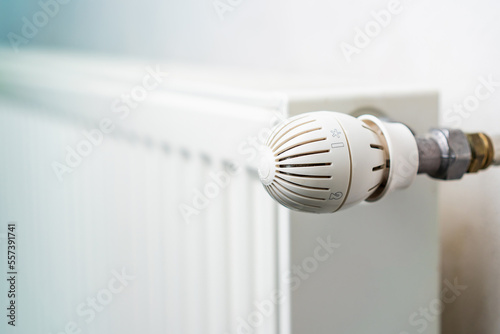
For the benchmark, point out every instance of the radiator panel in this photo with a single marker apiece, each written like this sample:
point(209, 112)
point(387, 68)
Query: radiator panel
point(120, 209)
point(211, 273)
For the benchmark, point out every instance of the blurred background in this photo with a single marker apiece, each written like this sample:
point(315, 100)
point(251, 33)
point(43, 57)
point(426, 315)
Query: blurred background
point(446, 45)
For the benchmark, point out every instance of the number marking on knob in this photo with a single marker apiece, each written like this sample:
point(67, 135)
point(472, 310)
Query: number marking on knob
point(336, 196)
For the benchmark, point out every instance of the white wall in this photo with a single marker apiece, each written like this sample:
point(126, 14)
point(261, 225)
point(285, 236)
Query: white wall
point(446, 44)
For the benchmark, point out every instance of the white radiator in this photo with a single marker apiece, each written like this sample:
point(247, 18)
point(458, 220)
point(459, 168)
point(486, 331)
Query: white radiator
point(155, 231)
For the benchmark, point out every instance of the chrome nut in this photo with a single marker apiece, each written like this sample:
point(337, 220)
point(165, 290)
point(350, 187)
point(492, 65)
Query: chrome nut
point(455, 153)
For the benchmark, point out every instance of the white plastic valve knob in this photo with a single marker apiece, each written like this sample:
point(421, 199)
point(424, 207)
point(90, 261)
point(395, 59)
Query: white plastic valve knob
point(324, 161)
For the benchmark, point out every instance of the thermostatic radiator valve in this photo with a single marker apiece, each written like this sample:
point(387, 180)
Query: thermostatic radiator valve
point(324, 161)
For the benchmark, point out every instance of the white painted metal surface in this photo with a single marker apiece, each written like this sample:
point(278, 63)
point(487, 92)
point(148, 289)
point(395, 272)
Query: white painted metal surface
point(120, 208)
point(386, 269)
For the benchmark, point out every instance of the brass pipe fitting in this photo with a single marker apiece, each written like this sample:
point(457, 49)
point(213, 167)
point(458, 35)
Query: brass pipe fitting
point(482, 152)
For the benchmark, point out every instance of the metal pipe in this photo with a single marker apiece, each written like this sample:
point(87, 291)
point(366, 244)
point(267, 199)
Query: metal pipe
point(429, 156)
point(448, 154)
